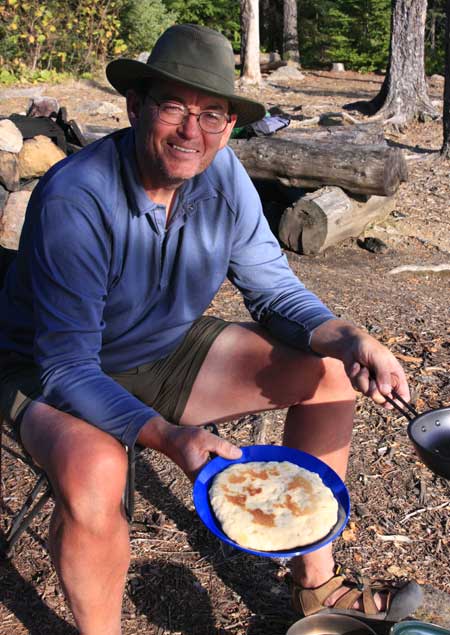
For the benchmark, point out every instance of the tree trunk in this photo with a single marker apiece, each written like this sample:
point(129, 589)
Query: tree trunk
point(445, 150)
point(290, 32)
point(364, 169)
point(328, 216)
point(250, 70)
point(403, 95)
point(270, 17)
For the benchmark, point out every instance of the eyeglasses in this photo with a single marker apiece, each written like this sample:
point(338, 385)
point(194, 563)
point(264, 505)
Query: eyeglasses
point(173, 113)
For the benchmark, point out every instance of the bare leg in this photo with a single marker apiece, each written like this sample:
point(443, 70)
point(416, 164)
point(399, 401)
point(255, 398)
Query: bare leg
point(88, 539)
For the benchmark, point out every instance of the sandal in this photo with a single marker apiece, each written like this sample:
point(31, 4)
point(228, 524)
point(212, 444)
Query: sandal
point(400, 602)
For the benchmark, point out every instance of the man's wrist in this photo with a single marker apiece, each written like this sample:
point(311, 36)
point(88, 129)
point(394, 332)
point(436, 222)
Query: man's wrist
point(331, 339)
point(154, 434)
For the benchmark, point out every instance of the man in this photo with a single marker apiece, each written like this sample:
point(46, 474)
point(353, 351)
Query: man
point(103, 344)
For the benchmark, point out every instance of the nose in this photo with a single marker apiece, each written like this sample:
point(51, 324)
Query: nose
point(190, 126)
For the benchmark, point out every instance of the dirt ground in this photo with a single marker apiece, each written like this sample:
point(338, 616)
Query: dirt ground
point(182, 580)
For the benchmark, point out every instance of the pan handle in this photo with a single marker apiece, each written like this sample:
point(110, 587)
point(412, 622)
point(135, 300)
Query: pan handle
point(405, 409)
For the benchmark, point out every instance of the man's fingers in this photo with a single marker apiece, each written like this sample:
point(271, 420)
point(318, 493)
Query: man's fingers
point(226, 450)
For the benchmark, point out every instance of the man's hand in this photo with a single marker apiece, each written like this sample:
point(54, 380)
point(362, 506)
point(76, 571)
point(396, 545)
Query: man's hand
point(188, 447)
point(371, 367)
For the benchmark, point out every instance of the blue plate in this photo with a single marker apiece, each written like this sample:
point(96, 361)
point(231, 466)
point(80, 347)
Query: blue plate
point(271, 453)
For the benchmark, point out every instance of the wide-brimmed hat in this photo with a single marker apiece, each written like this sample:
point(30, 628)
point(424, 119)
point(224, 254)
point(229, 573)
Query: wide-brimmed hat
point(192, 55)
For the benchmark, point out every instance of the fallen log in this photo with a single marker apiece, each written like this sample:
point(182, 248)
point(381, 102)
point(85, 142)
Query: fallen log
point(328, 216)
point(362, 134)
point(363, 169)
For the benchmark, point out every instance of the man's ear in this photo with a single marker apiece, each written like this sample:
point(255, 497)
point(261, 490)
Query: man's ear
point(134, 105)
point(227, 132)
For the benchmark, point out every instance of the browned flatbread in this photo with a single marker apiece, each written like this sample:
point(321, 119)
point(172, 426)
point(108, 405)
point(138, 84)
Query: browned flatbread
point(272, 506)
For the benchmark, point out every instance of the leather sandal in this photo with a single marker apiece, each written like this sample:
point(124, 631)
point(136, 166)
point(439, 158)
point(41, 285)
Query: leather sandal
point(401, 602)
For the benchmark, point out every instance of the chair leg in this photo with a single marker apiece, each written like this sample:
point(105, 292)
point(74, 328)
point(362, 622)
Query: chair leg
point(28, 512)
point(129, 488)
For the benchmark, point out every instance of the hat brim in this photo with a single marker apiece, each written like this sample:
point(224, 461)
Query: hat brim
point(124, 74)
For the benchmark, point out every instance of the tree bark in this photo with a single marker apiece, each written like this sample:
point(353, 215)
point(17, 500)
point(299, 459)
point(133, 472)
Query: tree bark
point(362, 134)
point(364, 169)
point(290, 32)
point(445, 150)
point(270, 21)
point(328, 216)
point(403, 95)
point(250, 69)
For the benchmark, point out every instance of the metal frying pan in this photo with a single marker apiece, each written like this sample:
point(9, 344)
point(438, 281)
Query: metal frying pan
point(429, 433)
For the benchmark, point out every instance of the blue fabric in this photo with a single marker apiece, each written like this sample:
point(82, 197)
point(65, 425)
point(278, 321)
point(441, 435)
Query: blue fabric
point(100, 283)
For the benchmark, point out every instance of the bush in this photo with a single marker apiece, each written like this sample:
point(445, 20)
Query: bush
point(142, 22)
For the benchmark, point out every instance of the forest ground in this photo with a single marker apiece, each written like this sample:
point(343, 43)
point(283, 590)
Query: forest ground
point(182, 580)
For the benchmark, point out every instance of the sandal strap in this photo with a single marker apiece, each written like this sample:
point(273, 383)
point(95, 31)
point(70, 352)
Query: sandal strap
point(347, 600)
point(312, 600)
point(369, 606)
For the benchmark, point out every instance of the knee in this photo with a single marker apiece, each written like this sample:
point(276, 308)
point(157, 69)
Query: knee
point(335, 380)
point(89, 486)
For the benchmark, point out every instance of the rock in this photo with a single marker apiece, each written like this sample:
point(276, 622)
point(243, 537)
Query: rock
point(267, 58)
point(337, 67)
point(37, 156)
point(42, 107)
point(9, 170)
point(11, 139)
point(12, 219)
point(286, 73)
point(143, 57)
point(3, 198)
point(28, 186)
point(437, 79)
point(100, 108)
point(374, 245)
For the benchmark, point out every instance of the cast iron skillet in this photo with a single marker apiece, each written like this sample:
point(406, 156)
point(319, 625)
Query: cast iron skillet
point(430, 434)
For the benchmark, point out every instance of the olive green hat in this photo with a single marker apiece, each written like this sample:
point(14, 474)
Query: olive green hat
point(194, 56)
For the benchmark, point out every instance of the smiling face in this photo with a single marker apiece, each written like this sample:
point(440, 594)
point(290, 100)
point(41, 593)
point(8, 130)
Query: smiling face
point(169, 154)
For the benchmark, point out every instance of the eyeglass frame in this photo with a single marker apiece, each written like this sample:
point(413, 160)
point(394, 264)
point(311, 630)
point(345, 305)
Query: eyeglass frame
point(187, 113)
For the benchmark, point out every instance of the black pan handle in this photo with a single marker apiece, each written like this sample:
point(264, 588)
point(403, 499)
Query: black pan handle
point(405, 409)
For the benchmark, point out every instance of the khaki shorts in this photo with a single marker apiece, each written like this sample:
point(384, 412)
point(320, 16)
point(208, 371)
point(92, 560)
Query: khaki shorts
point(165, 385)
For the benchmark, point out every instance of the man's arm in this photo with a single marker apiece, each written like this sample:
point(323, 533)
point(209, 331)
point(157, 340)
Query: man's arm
point(278, 300)
point(69, 255)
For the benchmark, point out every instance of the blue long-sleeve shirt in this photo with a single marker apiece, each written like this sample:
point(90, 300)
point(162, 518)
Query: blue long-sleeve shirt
point(100, 284)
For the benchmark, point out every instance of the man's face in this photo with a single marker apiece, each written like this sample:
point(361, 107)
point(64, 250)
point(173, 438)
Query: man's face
point(168, 154)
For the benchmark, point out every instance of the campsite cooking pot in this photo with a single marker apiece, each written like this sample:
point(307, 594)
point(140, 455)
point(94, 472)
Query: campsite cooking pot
point(430, 434)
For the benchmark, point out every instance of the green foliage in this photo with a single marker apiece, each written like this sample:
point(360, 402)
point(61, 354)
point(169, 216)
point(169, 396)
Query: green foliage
point(142, 22)
point(52, 35)
point(222, 15)
point(435, 38)
point(355, 32)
